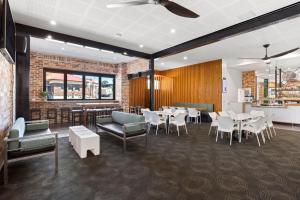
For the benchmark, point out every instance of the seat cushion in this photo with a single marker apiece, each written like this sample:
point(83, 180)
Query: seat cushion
point(39, 142)
point(117, 129)
point(124, 118)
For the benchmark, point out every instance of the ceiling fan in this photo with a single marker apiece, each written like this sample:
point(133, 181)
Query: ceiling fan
point(267, 58)
point(169, 5)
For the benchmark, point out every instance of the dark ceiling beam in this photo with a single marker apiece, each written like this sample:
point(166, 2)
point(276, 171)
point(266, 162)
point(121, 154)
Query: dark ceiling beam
point(42, 33)
point(259, 22)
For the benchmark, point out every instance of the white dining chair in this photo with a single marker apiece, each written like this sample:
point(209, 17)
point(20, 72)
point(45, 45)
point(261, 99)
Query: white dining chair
point(193, 113)
point(168, 110)
point(257, 113)
point(224, 114)
point(256, 128)
point(232, 114)
point(155, 120)
point(178, 111)
point(144, 109)
point(179, 120)
point(147, 115)
point(214, 123)
point(270, 125)
point(226, 125)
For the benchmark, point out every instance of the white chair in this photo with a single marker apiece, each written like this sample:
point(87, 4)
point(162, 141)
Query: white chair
point(145, 109)
point(257, 113)
point(155, 120)
point(270, 125)
point(232, 114)
point(193, 113)
point(224, 114)
point(226, 125)
point(214, 123)
point(168, 110)
point(179, 120)
point(165, 107)
point(147, 115)
point(256, 128)
point(178, 111)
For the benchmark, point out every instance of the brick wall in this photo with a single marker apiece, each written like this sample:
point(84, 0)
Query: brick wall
point(249, 81)
point(6, 98)
point(39, 61)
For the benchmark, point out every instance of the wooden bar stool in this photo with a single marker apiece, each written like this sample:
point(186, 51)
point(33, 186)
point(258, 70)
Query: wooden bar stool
point(77, 115)
point(132, 109)
point(65, 115)
point(35, 114)
point(52, 114)
point(91, 116)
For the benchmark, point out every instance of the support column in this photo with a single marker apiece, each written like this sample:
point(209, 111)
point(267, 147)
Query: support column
point(151, 74)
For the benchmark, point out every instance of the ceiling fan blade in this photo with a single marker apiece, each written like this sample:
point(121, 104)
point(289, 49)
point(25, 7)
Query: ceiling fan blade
point(284, 53)
point(130, 3)
point(178, 9)
point(251, 58)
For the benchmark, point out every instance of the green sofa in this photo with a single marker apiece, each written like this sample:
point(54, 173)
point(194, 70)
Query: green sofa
point(29, 139)
point(208, 107)
point(123, 126)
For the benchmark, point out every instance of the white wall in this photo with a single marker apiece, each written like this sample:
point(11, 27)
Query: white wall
point(234, 81)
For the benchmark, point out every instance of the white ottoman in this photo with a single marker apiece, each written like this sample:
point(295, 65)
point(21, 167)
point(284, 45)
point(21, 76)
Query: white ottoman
point(83, 140)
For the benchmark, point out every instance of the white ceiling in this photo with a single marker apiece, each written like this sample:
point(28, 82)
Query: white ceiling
point(53, 47)
point(149, 25)
point(282, 37)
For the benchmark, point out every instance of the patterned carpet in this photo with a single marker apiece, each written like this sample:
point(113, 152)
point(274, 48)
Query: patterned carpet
point(177, 168)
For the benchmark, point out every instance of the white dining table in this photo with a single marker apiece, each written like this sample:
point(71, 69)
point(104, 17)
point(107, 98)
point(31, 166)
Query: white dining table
point(167, 114)
point(239, 118)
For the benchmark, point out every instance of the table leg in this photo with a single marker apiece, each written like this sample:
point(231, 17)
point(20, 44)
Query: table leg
point(240, 131)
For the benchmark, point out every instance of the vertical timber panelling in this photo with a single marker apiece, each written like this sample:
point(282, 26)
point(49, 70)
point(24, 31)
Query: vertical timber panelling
point(199, 83)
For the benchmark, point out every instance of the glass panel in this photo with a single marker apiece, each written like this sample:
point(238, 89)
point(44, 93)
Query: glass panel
point(91, 87)
point(107, 88)
point(74, 86)
point(55, 85)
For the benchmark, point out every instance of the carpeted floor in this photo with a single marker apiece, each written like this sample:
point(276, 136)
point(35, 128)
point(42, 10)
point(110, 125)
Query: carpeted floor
point(177, 168)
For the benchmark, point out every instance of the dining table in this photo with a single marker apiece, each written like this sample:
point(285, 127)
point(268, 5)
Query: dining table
point(239, 119)
point(166, 114)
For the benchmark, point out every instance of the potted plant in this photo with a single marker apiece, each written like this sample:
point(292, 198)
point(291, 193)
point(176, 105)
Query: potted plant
point(44, 94)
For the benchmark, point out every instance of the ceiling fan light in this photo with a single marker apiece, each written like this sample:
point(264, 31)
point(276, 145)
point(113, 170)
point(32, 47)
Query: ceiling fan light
point(268, 61)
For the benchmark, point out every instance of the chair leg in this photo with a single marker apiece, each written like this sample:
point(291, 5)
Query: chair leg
point(186, 130)
point(274, 131)
point(270, 131)
point(217, 136)
point(268, 134)
point(156, 129)
point(230, 138)
point(257, 139)
point(56, 153)
point(178, 130)
point(209, 130)
point(263, 137)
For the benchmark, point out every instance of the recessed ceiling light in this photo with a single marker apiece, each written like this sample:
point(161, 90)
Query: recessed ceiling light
point(53, 23)
point(141, 46)
point(125, 53)
point(162, 64)
point(62, 48)
point(289, 68)
point(173, 31)
point(49, 37)
point(185, 58)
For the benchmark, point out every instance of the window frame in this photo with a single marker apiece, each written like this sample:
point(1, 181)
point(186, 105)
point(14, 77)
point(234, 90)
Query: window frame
point(84, 74)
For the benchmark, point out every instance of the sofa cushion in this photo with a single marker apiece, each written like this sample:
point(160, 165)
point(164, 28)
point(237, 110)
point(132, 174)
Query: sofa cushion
point(17, 131)
point(124, 118)
point(39, 142)
point(117, 129)
point(208, 107)
point(37, 125)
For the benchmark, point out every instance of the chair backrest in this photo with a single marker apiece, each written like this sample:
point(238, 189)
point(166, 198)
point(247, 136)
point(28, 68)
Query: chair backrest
point(179, 111)
point(168, 110)
point(147, 115)
point(154, 118)
point(124, 118)
point(193, 112)
point(259, 124)
point(257, 113)
point(165, 107)
point(270, 120)
point(180, 118)
point(213, 115)
point(144, 109)
point(224, 114)
point(225, 123)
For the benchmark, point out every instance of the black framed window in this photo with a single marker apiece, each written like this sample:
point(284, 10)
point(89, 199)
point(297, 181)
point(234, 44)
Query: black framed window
point(72, 85)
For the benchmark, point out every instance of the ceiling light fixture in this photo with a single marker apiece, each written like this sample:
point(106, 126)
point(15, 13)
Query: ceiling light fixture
point(141, 46)
point(125, 53)
point(185, 58)
point(268, 61)
point(49, 37)
point(173, 31)
point(106, 51)
point(162, 64)
point(62, 48)
point(53, 23)
point(73, 44)
point(91, 48)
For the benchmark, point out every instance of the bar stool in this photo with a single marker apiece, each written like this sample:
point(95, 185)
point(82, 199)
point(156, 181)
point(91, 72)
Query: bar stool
point(77, 115)
point(52, 114)
point(91, 116)
point(132, 109)
point(138, 110)
point(35, 114)
point(65, 115)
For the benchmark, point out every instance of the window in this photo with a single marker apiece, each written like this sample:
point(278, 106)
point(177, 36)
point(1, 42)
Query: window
point(74, 86)
point(71, 85)
point(107, 88)
point(54, 85)
point(91, 87)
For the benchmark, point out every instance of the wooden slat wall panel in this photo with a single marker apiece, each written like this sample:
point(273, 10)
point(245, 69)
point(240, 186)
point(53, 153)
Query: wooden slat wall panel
point(199, 83)
point(138, 92)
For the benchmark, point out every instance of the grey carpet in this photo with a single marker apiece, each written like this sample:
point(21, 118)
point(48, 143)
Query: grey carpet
point(177, 168)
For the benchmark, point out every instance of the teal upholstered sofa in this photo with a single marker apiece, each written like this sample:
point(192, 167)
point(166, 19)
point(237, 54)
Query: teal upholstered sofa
point(29, 139)
point(123, 126)
point(208, 107)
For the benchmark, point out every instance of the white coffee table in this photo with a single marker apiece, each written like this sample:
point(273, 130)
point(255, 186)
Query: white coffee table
point(83, 139)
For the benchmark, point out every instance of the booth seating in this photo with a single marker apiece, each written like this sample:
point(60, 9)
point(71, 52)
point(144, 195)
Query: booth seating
point(123, 126)
point(27, 140)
